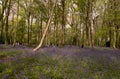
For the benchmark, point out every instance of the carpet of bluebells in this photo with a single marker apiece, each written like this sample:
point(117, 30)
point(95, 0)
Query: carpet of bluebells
point(67, 62)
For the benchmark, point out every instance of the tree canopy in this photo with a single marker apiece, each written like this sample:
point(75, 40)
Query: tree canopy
point(72, 22)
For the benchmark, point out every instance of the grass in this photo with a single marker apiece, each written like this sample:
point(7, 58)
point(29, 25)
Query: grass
point(12, 53)
point(41, 66)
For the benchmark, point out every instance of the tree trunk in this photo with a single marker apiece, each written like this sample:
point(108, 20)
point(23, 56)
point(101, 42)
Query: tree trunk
point(7, 26)
point(91, 33)
point(4, 3)
point(28, 32)
point(63, 23)
point(45, 32)
point(2, 27)
point(17, 24)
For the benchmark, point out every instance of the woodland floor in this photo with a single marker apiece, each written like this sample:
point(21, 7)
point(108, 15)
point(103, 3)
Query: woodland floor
point(69, 62)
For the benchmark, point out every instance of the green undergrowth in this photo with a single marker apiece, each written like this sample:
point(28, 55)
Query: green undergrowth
point(41, 66)
point(11, 53)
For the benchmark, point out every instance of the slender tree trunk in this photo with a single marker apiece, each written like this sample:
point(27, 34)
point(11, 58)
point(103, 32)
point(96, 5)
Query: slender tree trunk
point(88, 23)
point(91, 33)
point(47, 26)
point(2, 23)
point(17, 24)
point(44, 34)
point(28, 32)
point(55, 26)
point(63, 22)
point(41, 22)
point(31, 24)
point(2, 26)
point(7, 26)
point(114, 10)
point(4, 3)
point(12, 29)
